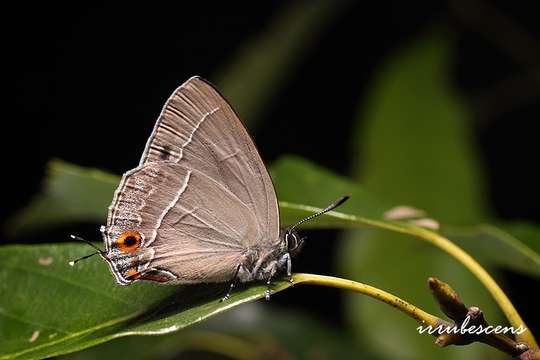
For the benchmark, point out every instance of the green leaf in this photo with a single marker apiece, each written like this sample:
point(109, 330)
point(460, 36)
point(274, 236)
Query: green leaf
point(252, 331)
point(52, 308)
point(413, 147)
point(70, 193)
point(493, 246)
point(300, 181)
point(170, 346)
point(528, 234)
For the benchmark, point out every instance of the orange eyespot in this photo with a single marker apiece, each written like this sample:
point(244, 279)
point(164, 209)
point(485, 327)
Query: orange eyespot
point(129, 241)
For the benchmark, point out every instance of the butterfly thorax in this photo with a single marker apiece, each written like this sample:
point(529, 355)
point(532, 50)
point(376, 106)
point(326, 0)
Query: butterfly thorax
point(263, 263)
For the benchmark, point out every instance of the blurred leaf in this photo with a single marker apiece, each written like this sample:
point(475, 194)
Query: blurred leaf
point(48, 308)
point(495, 247)
point(413, 147)
point(170, 346)
point(70, 193)
point(528, 234)
point(302, 336)
point(300, 181)
point(263, 63)
point(270, 332)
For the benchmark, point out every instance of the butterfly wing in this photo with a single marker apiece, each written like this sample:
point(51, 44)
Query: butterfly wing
point(199, 130)
point(196, 226)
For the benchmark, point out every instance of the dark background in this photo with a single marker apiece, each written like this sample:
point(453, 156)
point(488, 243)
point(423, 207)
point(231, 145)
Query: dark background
point(89, 82)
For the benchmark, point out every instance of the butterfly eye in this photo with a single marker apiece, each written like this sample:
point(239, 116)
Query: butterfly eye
point(129, 241)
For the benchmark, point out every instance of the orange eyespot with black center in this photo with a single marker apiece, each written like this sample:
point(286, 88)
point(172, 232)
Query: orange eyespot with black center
point(129, 241)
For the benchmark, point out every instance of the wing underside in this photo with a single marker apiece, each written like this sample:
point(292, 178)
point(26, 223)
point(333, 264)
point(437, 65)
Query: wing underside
point(199, 130)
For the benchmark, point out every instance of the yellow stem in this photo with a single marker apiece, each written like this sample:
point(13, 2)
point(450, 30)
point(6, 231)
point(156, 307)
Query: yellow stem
point(453, 250)
point(470, 263)
point(417, 314)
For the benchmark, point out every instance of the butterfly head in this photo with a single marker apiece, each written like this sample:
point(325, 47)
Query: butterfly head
point(291, 239)
point(293, 242)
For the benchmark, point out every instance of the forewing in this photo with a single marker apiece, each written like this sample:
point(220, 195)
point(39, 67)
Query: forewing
point(199, 130)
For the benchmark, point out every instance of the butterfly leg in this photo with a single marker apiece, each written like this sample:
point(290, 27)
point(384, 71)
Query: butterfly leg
point(270, 271)
point(285, 262)
point(287, 258)
point(232, 285)
point(274, 267)
point(268, 290)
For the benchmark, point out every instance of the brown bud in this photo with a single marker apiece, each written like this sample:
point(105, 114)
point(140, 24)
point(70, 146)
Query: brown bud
point(531, 354)
point(449, 301)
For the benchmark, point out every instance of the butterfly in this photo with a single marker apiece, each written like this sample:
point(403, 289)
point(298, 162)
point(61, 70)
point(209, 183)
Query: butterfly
point(201, 206)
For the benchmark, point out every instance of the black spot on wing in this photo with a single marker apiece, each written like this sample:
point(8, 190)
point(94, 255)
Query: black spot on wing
point(165, 152)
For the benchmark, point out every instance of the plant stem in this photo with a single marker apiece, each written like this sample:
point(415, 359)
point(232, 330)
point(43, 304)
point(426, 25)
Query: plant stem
point(450, 301)
point(470, 263)
point(417, 314)
point(449, 247)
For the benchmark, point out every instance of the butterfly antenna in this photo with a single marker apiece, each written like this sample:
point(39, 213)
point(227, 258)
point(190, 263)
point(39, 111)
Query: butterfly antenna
point(99, 251)
point(330, 207)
